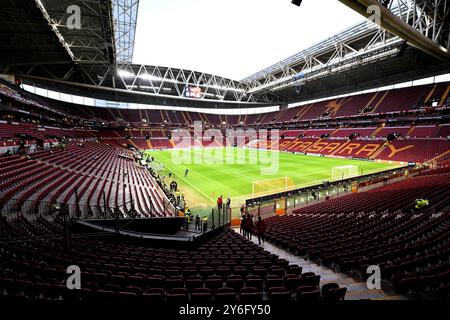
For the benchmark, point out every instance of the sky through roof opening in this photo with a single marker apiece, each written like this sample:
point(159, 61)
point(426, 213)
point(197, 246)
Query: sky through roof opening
point(233, 38)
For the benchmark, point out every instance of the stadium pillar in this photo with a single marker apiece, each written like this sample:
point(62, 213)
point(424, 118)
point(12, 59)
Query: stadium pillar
point(218, 217)
point(117, 220)
point(212, 218)
point(164, 209)
point(66, 220)
point(131, 200)
point(104, 203)
point(77, 203)
point(228, 215)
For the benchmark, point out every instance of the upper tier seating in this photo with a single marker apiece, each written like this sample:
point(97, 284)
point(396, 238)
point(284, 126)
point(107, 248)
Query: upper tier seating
point(318, 132)
point(351, 105)
point(313, 111)
point(443, 131)
point(163, 143)
point(346, 132)
point(400, 99)
point(395, 100)
point(384, 132)
point(287, 115)
point(8, 130)
point(293, 133)
point(423, 132)
point(407, 150)
point(141, 144)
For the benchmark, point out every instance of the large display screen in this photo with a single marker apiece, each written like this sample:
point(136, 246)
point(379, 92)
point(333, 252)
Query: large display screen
point(193, 92)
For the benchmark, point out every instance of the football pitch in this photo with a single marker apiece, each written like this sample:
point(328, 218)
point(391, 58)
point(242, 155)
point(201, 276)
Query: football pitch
point(231, 172)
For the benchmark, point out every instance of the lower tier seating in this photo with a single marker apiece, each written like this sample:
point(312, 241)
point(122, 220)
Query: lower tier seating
point(378, 227)
point(227, 268)
point(91, 177)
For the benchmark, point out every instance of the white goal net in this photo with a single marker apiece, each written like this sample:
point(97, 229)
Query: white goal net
point(344, 172)
point(271, 186)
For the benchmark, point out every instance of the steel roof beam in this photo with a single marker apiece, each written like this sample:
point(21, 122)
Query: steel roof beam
point(125, 14)
point(399, 27)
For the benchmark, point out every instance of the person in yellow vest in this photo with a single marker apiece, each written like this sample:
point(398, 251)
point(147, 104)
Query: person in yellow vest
point(191, 216)
point(421, 204)
point(188, 220)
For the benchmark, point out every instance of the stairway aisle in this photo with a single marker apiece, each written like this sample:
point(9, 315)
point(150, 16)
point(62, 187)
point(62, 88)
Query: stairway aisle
point(356, 289)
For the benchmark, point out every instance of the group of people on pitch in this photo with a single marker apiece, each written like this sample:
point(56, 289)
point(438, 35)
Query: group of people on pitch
point(249, 227)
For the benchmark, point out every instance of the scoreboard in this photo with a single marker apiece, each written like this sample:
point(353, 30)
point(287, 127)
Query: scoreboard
point(193, 92)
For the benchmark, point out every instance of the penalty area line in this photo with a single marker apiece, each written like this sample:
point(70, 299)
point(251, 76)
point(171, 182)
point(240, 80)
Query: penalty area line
point(189, 183)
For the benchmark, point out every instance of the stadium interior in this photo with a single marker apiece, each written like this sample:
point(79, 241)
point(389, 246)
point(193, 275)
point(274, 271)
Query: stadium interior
point(86, 177)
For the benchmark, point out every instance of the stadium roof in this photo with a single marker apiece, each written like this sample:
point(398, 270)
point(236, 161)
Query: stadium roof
point(38, 46)
point(40, 38)
point(125, 14)
point(365, 55)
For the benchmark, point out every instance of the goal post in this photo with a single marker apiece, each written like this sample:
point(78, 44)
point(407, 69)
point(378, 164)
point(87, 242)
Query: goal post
point(344, 172)
point(270, 186)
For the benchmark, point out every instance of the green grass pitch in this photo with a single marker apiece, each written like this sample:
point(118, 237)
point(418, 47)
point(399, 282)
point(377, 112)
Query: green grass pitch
point(207, 180)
